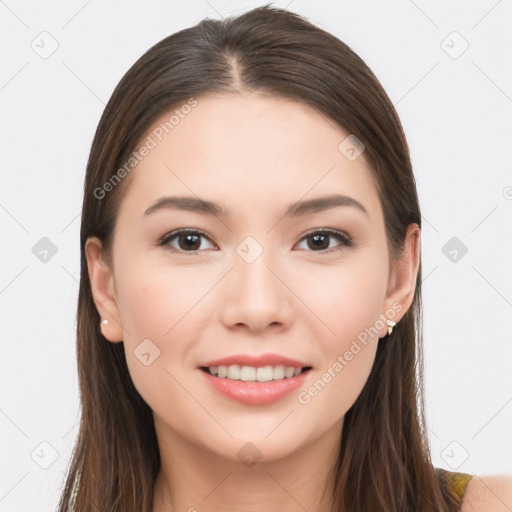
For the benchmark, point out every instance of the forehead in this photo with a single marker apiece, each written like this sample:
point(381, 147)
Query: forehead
point(245, 151)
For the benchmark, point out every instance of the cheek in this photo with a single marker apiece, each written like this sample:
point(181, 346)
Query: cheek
point(156, 305)
point(334, 389)
point(154, 301)
point(347, 298)
point(349, 302)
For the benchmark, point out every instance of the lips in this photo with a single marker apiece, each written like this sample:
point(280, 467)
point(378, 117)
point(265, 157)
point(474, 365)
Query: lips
point(239, 372)
point(255, 393)
point(256, 361)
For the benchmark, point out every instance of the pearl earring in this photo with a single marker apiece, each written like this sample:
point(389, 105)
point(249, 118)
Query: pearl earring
point(390, 324)
point(104, 322)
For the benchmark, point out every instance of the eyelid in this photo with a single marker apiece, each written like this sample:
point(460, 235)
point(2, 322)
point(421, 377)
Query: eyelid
point(328, 231)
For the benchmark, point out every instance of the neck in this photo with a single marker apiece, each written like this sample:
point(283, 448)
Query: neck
point(193, 479)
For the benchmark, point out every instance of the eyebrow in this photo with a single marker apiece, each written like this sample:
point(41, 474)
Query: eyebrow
point(204, 207)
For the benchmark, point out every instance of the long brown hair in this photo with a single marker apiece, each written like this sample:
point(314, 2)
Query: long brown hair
point(384, 463)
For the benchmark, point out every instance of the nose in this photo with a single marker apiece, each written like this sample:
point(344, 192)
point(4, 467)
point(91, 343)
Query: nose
point(256, 296)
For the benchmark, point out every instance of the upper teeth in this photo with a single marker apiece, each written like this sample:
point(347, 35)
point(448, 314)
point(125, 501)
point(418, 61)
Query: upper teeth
point(250, 373)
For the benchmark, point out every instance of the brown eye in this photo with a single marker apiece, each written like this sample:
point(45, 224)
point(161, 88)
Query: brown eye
point(321, 241)
point(185, 241)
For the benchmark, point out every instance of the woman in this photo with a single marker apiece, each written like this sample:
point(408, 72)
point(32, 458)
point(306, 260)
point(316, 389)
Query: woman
point(249, 316)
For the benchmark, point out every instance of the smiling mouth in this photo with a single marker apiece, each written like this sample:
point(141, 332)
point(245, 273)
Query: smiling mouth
point(254, 374)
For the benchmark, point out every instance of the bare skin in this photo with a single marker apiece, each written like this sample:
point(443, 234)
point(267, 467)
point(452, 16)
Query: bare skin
point(489, 493)
point(254, 156)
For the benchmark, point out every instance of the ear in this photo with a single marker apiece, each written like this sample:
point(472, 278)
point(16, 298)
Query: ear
point(402, 279)
point(103, 291)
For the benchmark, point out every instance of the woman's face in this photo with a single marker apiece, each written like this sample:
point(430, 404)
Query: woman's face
point(258, 280)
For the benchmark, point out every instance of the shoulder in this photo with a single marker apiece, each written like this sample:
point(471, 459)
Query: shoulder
point(488, 493)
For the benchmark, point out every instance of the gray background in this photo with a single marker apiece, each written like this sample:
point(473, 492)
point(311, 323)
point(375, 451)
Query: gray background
point(446, 67)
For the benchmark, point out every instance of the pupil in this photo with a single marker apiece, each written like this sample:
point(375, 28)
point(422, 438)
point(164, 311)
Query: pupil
point(191, 241)
point(317, 238)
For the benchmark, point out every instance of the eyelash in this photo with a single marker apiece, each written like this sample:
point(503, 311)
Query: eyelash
point(345, 240)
